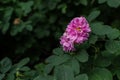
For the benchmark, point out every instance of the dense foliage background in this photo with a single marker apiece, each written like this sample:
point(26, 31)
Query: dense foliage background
point(29, 40)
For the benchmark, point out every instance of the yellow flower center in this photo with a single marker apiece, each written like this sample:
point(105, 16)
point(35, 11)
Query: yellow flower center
point(78, 29)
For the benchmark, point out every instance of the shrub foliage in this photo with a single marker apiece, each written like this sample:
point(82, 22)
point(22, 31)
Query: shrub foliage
point(32, 28)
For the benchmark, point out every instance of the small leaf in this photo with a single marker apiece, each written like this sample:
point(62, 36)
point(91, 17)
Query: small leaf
point(93, 15)
point(10, 76)
point(23, 62)
point(25, 68)
point(82, 56)
point(57, 60)
point(58, 51)
point(81, 77)
point(29, 27)
point(101, 1)
point(113, 3)
point(48, 68)
point(102, 62)
point(2, 76)
point(84, 2)
point(113, 47)
point(41, 77)
point(93, 39)
point(26, 7)
point(113, 34)
point(99, 29)
point(63, 73)
point(100, 74)
point(118, 73)
point(5, 65)
point(6, 18)
point(63, 8)
point(75, 65)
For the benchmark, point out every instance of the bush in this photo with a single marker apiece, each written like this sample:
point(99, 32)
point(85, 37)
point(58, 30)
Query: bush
point(32, 28)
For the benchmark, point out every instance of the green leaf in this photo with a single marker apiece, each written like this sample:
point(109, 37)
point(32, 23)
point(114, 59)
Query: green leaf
point(25, 68)
point(75, 65)
point(7, 14)
point(100, 74)
point(101, 1)
point(10, 76)
point(48, 68)
point(113, 3)
point(23, 62)
point(99, 29)
point(57, 60)
point(82, 56)
point(40, 67)
point(93, 15)
point(63, 72)
point(6, 18)
point(41, 77)
point(113, 34)
point(84, 2)
point(63, 8)
point(118, 73)
point(93, 39)
point(29, 27)
point(58, 51)
point(102, 62)
point(5, 27)
point(81, 77)
point(26, 7)
point(106, 54)
point(52, 4)
point(5, 65)
point(2, 76)
point(113, 47)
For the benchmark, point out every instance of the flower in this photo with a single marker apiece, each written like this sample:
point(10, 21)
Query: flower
point(77, 32)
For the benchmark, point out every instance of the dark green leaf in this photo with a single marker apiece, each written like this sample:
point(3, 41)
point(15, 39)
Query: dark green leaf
point(93, 15)
point(64, 73)
point(100, 74)
point(93, 39)
point(113, 3)
point(41, 77)
point(82, 56)
point(58, 51)
point(23, 62)
point(75, 65)
point(99, 29)
point(57, 60)
point(2, 76)
point(5, 65)
point(113, 34)
point(26, 7)
point(48, 68)
point(113, 47)
point(118, 73)
point(84, 2)
point(102, 62)
point(10, 76)
point(81, 77)
point(101, 1)
point(29, 27)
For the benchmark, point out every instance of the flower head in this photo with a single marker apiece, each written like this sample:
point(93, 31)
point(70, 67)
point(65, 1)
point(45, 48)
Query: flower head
point(77, 32)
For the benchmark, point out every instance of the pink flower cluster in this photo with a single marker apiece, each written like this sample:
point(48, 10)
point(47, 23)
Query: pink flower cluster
point(77, 32)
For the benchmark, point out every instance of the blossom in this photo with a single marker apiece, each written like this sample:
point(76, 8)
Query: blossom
point(77, 32)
